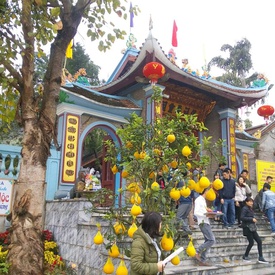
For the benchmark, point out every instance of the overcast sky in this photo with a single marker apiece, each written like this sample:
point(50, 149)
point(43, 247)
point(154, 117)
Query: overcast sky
point(203, 27)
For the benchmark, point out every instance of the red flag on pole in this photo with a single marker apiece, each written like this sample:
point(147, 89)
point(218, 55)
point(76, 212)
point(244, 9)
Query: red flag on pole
point(174, 35)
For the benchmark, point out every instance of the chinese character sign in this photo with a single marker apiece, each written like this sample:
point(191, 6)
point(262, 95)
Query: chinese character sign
point(70, 149)
point(264, 169)
point(5, 196)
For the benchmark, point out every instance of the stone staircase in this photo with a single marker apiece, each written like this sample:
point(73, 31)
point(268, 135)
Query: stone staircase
point(226, 255)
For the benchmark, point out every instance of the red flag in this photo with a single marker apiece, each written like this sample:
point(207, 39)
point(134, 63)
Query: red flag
point(174, 35)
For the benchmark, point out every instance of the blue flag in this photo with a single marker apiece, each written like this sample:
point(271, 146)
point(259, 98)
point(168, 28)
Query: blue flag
point(131, 16)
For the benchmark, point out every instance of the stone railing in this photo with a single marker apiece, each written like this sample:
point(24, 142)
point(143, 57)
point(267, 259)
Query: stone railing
point(74, 229)
point(10, 158)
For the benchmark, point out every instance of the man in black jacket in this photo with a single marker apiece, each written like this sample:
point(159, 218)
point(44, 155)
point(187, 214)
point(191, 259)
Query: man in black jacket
point(227, 195)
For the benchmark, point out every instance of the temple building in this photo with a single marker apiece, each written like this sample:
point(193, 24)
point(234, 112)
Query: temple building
point(88, 112)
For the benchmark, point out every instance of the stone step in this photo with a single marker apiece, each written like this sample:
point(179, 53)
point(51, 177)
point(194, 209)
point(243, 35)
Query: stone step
point(226, 237)
point(226, 254)
point(234, 267)
point(229, 256)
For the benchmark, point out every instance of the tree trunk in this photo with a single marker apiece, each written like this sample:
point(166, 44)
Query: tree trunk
point(26, 252)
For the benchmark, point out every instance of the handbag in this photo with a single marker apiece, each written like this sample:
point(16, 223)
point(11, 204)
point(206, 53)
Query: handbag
point(252, 227)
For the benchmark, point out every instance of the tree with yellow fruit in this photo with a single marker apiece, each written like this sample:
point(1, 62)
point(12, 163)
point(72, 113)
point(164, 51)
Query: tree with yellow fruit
point(168, 147)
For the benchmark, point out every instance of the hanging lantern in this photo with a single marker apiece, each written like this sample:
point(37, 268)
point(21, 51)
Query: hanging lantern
point(153, 71)
point(265, 111)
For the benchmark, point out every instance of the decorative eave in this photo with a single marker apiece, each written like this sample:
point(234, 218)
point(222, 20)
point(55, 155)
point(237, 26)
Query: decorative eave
point(268, 128)
point(245, 136)
point(95, 103)
point(151, 50)
point(245, 141)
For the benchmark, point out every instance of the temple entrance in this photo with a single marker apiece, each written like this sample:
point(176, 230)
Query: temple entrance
point(93, 154)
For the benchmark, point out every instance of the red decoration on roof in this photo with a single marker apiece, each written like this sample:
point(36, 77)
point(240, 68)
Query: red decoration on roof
point(265, 111)
point(153, 71)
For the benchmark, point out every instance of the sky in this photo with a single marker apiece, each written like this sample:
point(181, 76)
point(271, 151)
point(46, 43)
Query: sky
point(203, 27)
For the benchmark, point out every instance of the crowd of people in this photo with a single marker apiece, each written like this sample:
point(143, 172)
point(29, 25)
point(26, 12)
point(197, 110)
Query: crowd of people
point(235, 203)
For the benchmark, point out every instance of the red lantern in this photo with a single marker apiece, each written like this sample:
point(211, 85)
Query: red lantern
point(153, 71)
point(265, 111)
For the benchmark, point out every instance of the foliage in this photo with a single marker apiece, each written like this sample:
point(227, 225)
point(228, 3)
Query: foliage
point(236, 65)
point(41, 63)
point(214, 150)
point(168, 148)
point(93, 144)
point(247, 123)
point(53, 262)
point(8, 102)
point(82, 60)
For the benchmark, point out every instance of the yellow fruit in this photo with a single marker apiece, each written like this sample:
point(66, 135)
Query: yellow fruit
point(174, 164)
point(136, 210)
point(157, 152)
point(133, 187)
point(188, 165)
point(114, 169)
point(108, 268)
point(198, 188)
point(132, 229)
point(142, 155)
point(217, 184)
point(129, 144)
point(98, 238)
point(151, 175)
point(114, 251)
point(155, 186)
point(122, 269)
point(210, 194)
point(136, 155)
point(135, 199)
point(175, 260)
point(165, 168)
point(174, 194)
point(185, 191)
point(191, 184)
point(124, 174)
point(119, 228)
point(186, 151)
point(190, 250)
point(167, 243)
point(171, 138)
point(204, 182)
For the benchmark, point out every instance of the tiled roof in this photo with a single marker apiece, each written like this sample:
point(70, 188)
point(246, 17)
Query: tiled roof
point(103, 99)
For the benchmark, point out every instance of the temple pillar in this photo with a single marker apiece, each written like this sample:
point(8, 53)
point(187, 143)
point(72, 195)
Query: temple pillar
point(152, 109)
point(227, 119)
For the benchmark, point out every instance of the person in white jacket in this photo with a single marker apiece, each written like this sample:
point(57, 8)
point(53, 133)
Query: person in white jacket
point(201, 211)
point(242, 189)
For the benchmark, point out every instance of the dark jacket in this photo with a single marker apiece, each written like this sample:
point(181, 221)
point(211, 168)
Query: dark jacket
point(229, 189)
point(257, 205)
point(247, 215)
point(144, 256)
point(187, 200)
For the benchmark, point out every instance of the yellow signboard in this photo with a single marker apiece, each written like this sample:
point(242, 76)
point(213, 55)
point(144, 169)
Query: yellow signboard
point(264, 169)
point(70, 149)
point(232, 146)
point(245, 162)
